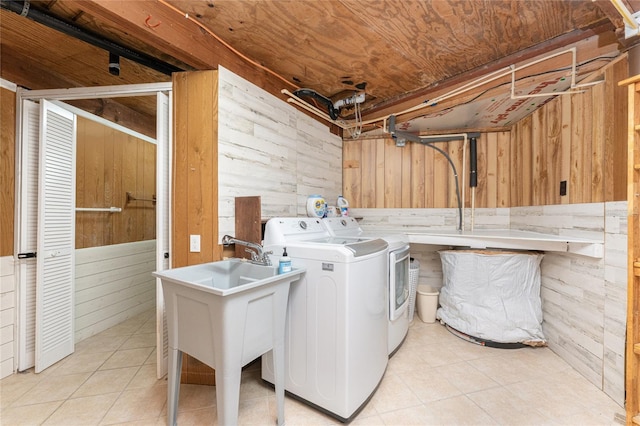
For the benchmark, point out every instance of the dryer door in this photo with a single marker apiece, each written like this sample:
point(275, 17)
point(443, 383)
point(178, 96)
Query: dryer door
point(398, 282)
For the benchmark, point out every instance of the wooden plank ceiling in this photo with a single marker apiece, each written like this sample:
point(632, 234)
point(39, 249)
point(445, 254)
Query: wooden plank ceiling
point(398, 53)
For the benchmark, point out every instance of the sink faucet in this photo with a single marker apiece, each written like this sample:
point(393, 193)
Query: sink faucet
point(257, 254)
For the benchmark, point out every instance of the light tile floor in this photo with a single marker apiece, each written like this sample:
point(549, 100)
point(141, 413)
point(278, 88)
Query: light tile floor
point(434, 379)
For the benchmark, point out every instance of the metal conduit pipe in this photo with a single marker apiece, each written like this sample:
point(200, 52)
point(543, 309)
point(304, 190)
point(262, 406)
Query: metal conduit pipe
point(23, 8)
point(401, 137)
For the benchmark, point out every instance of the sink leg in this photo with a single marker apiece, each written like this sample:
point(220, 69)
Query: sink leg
point(228, 395)
point(173, 391)
point(278, 370)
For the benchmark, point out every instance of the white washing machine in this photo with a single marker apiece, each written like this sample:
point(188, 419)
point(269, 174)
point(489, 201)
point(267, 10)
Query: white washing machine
point(336, 333)
point(397, 275)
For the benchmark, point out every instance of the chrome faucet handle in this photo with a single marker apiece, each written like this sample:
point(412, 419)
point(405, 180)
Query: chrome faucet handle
point(265, 257)
point(254, 254)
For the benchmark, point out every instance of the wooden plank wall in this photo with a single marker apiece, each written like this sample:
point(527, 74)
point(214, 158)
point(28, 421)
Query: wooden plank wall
point(7, 169)
point(111, 163)
point(577, 138)
point(377, 174)
point(195, 171)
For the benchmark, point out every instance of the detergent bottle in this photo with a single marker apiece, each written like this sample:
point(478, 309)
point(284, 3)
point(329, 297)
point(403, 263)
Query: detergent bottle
point(343, 206)
point(316, 206)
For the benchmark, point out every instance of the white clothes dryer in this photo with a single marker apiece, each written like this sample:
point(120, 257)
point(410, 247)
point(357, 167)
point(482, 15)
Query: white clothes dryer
point(336, 332)
point(397, 276)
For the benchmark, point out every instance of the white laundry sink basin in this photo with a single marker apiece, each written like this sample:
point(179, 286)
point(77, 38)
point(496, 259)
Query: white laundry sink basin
point(225, 314)
point(224, 277)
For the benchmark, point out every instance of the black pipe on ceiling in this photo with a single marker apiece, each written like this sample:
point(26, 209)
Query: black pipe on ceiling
point(22, 8)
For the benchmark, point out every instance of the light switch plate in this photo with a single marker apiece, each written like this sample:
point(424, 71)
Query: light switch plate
point(194, 243)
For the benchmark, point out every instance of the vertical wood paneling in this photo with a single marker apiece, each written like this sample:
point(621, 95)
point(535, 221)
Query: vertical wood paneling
point(392, 174)
point(118, 198)
point(577, 138)
point(180, 218)
point(539, 164)
point(489, 179)
point(521, 162)
point(515, 190)
point(429, 176)
point(195, 202)
point(368, 174)
point(109, 187)
point(379, 200)
point(576, 183)
point(503, 167)
point(81, 143)
point(7, 170)
point(616, 151)
point(565, 167)
point(597, 143)
point(405, 184)
point(129, 182)
point(441, 173)
point(417, 176)
point(352, 152)
point(608, 132)
point(482, 189)
point(94, 167)
point(525, 174)
point(454, 149)
point(553, 117)
point(109, 164)
point(587, 151)
point(149, 190)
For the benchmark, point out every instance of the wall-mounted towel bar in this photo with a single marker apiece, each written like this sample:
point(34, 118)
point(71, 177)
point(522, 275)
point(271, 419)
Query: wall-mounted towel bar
point(132, 198)
point(99, 209)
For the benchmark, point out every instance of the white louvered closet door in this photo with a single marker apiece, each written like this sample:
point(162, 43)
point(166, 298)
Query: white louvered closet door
point(28, 232)
point(56, 236)
point(163, 223)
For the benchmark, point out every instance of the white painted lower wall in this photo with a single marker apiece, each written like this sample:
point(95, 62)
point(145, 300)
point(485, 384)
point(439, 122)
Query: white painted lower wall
point(584, 299)
point(7, 316)
point(113, 284)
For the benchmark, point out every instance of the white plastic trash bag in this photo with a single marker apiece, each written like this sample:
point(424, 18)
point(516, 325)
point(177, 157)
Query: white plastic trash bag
point(492, 295)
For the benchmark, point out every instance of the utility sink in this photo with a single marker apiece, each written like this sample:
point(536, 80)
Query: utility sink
point(223, 278)
point(225, 314)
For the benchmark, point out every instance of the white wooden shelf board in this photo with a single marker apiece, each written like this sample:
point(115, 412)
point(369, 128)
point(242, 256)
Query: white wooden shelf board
point(509, 239)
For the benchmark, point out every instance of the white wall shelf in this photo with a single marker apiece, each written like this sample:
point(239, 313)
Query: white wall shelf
point(509, 239)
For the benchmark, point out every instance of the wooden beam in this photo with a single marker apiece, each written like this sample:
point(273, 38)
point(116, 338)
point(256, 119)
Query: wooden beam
point(30, 75)
point(611, 12)
point(157, 25)
point(119, 114)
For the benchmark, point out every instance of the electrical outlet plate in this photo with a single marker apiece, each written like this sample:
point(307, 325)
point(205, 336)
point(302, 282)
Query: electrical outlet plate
point(194, 243)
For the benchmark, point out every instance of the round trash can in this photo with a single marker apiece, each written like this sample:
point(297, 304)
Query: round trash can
point(427, 302)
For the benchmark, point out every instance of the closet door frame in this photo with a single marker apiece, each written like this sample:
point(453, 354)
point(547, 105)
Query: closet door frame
point(26, 282)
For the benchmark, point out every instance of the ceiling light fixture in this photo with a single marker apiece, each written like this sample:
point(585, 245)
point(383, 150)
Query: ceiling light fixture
point(114, 64)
